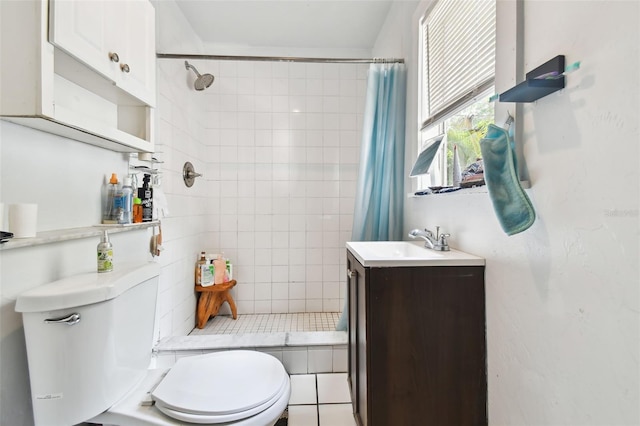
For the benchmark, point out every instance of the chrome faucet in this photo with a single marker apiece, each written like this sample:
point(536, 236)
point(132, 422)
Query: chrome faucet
point(438, 242)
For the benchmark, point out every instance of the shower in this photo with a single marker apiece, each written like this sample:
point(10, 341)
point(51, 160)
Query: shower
point(203, 81)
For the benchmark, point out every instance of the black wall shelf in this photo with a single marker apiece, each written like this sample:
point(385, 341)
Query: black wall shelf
point(532, 90)
point(540, 82)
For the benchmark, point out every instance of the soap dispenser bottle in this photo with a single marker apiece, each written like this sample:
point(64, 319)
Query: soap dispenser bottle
point(105, 253)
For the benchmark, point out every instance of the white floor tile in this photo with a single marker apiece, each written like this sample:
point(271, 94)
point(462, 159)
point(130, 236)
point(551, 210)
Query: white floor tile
point(303, 389)
point(336, 415)
point(304, 415)
point(333, 388)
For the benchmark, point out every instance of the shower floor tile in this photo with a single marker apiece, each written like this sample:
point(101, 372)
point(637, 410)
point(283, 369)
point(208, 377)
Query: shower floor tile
point(270, 323)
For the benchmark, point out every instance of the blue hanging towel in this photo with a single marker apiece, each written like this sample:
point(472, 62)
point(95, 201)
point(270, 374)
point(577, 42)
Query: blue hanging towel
point(511, 204)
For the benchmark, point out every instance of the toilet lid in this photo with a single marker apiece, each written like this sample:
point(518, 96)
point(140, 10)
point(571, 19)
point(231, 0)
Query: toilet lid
point(221, 384)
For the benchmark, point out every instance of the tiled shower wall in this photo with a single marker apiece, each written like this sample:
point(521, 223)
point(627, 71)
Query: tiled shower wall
point(281, 152)
point(179, 138)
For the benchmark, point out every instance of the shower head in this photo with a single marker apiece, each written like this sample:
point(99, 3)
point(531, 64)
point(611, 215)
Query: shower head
point(203, 81)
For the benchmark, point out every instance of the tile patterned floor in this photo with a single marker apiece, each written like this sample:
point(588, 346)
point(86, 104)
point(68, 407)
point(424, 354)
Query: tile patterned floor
point(270, 323)
point(320, 400)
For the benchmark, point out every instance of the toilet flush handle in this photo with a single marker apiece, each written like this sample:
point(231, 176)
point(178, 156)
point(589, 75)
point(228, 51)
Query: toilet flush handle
point(72, 319)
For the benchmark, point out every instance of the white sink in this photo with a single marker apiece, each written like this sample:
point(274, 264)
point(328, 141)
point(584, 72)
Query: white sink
point(408, 253)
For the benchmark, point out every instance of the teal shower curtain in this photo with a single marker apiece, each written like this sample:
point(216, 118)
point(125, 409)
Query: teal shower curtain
point(380, 191)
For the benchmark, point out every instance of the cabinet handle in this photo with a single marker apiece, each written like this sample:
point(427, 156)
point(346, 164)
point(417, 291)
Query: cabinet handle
point(351, 273)
point(124, 67)
point(114, 57)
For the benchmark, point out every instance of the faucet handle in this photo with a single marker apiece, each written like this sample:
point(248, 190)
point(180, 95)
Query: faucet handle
point(443, 244)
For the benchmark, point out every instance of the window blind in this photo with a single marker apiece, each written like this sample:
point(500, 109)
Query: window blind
point(458, 55)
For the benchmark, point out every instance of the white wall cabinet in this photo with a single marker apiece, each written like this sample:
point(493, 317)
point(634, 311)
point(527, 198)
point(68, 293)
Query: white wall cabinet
point(116, 39)
point(83, 69)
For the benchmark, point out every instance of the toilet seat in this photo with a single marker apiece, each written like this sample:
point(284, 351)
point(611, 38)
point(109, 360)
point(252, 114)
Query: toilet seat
point(215, 419)
point(221, 387)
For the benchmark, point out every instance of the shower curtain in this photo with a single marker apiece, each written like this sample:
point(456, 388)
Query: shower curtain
point(379, 194)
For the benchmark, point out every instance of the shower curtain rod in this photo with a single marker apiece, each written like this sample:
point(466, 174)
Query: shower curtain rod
point(283, 59)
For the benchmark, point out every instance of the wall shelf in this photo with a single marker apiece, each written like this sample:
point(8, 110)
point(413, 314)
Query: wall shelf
point(60, 235)
point(540, 82)
point(532, 90)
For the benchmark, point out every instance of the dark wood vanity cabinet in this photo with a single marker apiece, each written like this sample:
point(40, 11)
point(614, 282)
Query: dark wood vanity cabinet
point(417, 346)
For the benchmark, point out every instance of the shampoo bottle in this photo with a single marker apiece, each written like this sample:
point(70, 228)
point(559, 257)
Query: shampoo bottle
point(206, 274)
point(105, 254)
point(220, 270)
point(146, 195)
point(137, 210)
point(199, 264)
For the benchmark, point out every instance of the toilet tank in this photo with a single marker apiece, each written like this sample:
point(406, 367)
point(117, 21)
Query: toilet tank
point(89, 340)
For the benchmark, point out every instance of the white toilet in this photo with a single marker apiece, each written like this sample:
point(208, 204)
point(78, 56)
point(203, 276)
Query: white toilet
point(89, 340)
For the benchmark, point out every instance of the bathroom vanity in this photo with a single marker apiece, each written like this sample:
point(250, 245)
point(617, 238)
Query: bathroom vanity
point(417, 341)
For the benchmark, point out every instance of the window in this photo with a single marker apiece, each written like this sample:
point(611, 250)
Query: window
point(457, 77)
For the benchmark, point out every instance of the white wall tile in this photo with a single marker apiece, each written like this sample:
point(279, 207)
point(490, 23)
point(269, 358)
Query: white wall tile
point(277, 138)
point(340, 360)
point(320, 360)
point(295, 361)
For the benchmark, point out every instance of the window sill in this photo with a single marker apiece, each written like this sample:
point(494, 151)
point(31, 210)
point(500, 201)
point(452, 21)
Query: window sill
point(60, 235)
point(466, 191)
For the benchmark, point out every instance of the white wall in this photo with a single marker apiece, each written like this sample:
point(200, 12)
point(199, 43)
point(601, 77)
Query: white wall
point(562, 297)
point(64, 178)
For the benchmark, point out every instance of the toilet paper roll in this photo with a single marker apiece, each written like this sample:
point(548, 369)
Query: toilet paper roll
point(23, 220)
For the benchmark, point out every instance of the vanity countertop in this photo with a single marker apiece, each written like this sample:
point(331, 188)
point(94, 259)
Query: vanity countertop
point(408, 253)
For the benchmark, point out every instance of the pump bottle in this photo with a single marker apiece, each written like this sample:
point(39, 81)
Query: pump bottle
point(105, 253)
point(146, 195)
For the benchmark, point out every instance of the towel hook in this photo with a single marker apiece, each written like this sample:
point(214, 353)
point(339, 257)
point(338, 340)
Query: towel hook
point(509, 121)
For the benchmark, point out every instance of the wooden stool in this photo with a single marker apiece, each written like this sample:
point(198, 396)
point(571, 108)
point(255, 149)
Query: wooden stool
point(210, 300)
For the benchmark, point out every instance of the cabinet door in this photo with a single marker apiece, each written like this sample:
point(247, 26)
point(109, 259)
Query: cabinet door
point(80, 29)
point(134, 32)
point(114, 38)
point(352, 294)
point(357, 373)
point(362, 338)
